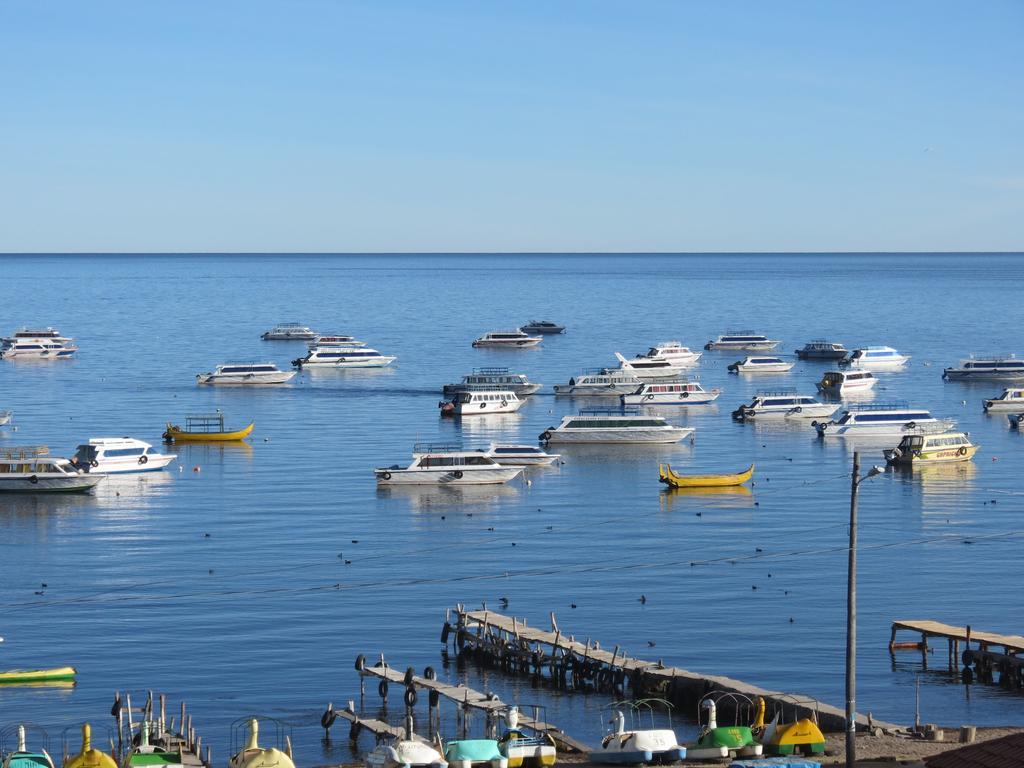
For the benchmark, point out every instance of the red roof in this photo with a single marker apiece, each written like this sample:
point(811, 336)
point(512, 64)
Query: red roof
point(1007, 752)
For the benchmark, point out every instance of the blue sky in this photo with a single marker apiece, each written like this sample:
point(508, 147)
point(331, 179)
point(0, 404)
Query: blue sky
point(516, 126)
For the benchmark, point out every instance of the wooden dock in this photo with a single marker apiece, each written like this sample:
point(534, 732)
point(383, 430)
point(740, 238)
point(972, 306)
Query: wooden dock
point(467, 699)
point(996, 657)
point(564, 662)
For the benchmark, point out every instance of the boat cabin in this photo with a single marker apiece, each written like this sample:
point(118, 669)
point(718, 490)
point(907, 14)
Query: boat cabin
point(33, 460)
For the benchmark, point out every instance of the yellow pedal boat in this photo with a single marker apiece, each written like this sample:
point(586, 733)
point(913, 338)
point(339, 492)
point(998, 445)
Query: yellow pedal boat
point(23, 676)
point(205, 428)
point(673, 480)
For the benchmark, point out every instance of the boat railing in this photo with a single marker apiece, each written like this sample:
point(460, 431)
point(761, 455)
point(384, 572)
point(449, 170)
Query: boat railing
point(609, 412)
point(15, 453)
point(490, 372)
point(891, 405)
point(779, 392)
point(929, 429)
point(204, 422)
point(437, 448)
point(246, 363)
point(741, 333)
point(484, 388)
point(677, 379)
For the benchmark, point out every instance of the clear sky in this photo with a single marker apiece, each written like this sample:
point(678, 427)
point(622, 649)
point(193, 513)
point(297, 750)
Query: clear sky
point(527, 125)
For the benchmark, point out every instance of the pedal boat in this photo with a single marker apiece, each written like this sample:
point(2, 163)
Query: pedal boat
point(22, 757)
point(147, 755)
point(639, 747)
point(799, 737)
point(521, 749)
point(672, 480)
point(88, 757)
point(23, 676)
point(205, 429)
point(727, 741)
point(255, 756)
point(474, 753)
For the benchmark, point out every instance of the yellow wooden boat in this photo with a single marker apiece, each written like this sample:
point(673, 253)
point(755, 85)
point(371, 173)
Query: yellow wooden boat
point(30, 676)
point(673, 480)
point(205, 428)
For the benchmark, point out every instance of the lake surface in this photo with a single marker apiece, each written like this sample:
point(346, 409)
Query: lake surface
point(225, 583)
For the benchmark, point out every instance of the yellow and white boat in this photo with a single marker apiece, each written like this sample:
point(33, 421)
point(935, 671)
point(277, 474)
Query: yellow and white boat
point(930, 447)
point(205, 428)
point(674, 480)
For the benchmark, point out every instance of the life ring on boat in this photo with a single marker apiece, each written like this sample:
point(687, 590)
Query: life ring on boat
point(648, 397)
point(94, 463)
point(684, 394)
point(143, 459)
point(545, 435)
point(504, 403)
point(34, 480)
point(360, 663)
point(382, 689)
point(962, 450)
point(457, 474)
point(386, 475)
point(797, 409)
point(410, 697)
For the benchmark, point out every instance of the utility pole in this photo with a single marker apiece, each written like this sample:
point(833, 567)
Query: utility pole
point(851, 622)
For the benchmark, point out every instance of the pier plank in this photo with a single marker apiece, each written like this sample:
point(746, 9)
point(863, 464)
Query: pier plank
point(1011, 643)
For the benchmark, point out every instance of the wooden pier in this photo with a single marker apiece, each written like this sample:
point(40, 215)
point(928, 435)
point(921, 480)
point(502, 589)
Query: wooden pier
point(564, 662)
point(169, 735)
point(988, 661)
point(467, 699)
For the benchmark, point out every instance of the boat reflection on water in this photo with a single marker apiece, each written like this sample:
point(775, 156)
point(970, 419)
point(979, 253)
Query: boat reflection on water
point(626, 453)
point(52, 684)
point(728, 497)
point(946, 479)
point(196, 454)
point(491, 426)
point(441, 498)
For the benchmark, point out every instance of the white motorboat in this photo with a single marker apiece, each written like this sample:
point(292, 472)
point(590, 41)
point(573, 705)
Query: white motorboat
point(514, 339)
point(37, 344)
point(434, 464)
point(480, 401)
point(987, 369)
point(494, 377)
point(683, 392)
point(5, 418)
point(760, 365)
point(822, 349)
point(784, 403)
point(110, 455)
point(599, 382)
point(245, 374)
point(749, 340)
point(520, 455)
point(542, 326)
point(648, 367)
point(879, 420)
point(843, 383)
point(343, 357)
point(674, 352)
point(336, 340)
point(874, 357)
point(620, 425)
point(33, 470)
point(289, 332)
point(1011, 399)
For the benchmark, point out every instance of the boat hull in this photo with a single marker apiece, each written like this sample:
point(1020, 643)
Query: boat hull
point(18, 676)
point(521, 344)
point(822, 355)
point(238, 380)
point(829, 429)
point(955, 374)
point(49, 483)
point(755, 346)
point(375, 362)
point(520, 390)
point(623, 436)
point(177, 435)
point(673, 480)
point(155, 463)
point(613, 390)
point(937, 456)
point(773, 368)
point(798, 412)
point(1005, 406)
point(485, 408)
point(443, 476)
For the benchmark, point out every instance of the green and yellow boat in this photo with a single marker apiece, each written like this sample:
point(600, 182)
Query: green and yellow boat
point(36, 676)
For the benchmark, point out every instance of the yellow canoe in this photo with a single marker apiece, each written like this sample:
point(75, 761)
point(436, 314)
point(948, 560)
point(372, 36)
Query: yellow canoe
point(22, 676)
point(673, 480)
point(177, 434)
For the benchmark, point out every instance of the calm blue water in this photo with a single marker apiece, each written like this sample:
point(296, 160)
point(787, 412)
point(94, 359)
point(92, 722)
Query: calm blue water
point(263, 616)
